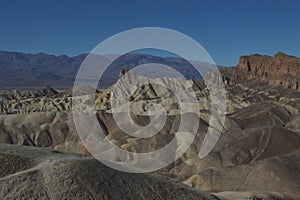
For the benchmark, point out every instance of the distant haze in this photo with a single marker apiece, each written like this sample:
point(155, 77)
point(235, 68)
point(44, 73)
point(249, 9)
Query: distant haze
point(21, 70)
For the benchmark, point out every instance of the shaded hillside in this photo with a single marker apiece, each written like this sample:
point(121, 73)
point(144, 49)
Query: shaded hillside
point(35, 173)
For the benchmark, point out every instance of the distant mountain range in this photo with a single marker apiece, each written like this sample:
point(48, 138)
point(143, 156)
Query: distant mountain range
point(23, 70)
point(37, 70)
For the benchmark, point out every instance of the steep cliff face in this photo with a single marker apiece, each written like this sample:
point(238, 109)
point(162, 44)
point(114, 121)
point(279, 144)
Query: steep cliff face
point(281, 70)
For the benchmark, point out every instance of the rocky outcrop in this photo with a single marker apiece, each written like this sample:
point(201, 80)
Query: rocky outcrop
point(282, 69)
point(13, 94)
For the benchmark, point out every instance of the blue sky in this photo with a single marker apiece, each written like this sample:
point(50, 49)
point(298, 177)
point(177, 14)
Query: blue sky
point(226, 29)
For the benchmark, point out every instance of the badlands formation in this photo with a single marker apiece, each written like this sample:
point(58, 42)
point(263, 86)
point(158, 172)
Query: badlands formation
point(256, 157)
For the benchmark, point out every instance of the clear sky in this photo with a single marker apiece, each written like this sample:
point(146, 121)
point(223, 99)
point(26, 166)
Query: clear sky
point(226, 29)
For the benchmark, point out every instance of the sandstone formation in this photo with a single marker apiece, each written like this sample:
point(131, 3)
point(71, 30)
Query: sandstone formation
point(282, 70)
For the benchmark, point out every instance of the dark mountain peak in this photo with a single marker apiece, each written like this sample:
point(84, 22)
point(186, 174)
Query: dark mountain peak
point(41, 54)
point(123, 71)
point(281, 55)
point(48, 91)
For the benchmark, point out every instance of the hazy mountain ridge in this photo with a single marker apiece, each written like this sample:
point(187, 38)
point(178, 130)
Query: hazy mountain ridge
point(37, 70)
point(23, 70)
